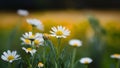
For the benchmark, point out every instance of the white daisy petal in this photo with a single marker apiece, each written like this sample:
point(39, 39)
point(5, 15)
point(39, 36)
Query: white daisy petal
point(5, 54)
point(59, 32)
point(9, 53)
point(4, 57)
point(29, 50)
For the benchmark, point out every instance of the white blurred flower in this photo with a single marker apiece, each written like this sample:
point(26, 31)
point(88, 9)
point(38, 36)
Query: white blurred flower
point(22, 12)
point(86, 60)
point(75, 42)
point(116, 56)
point(38, 41)
point(29, 50)
point(10, 56)
point(36, 23)
point(60, 32)
point(31, 36)
point(26, 41)
point(40, 64)
point(31, 39)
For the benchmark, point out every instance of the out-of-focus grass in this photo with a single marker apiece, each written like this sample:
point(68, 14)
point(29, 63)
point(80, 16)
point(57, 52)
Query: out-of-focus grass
point(76, 21)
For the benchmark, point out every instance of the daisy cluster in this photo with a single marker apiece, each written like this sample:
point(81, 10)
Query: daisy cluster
point(32, 41)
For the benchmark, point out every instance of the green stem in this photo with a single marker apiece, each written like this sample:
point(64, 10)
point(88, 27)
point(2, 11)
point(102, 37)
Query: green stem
point(86, 66)
point(12, 65)
point(58, 47)
point(44, 54)
point(33, 29)
point(9, 65)
point(58, 52)
point(56, 66)
point(73, 58)
point(33, 60)
point(53, 50)
point(117, 64)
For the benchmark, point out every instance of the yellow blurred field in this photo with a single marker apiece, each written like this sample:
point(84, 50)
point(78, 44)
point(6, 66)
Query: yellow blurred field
point(75, 20)
point(68, 16)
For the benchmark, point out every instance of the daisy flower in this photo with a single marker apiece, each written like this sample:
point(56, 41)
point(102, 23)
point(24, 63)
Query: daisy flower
point(29, 50)
point(36, 23)
point(86, 60)
point(26, 41)
point(10, 56)
point(60, 32)
point(38, 41)
point(40, 64)
point(116, 56)
point(31, 36)
point(75, 42)
point(22, 12)
point(31, 39)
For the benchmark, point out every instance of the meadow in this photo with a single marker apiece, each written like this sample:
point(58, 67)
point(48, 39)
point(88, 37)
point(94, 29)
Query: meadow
point(100, 35)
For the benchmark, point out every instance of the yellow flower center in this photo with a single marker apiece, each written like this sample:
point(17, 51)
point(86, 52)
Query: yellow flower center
point(27, 41)
point(32, 36)
point(59, 33)
point(40, 64)
point(29, 49)
point(10, 57)
point(75, 44)
point(36, 42)
point(86, 62)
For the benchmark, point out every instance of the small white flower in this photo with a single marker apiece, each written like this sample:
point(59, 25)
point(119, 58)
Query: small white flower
point(31, 36)
point(26, 41)
point(75, 42)
point(10, 56)
point(38, 41)
point(116, 56)
point(37, 23)
point(40, 64)
point(86, 60)
point(31, 39)
point(60, 32)
point(22, 12)
point(29, 50)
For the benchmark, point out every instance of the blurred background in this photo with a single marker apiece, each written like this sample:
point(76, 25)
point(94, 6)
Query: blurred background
point(100, 34)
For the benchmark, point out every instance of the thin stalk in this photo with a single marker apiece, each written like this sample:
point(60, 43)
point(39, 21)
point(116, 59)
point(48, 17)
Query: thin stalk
point(30, 66)
point(9, 65)
point(117, 64)
point(56, 65)
point(73, 58)
point(49, 43)
point(44, 54)
point(58, 47)
point(58, 52)
point(33, 60)
point(12, 64)
point(86, 65)
point(33, 29)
